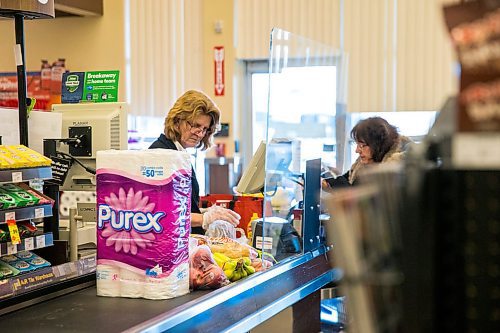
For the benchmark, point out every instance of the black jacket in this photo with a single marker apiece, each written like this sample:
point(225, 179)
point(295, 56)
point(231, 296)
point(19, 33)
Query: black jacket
point(164, 143)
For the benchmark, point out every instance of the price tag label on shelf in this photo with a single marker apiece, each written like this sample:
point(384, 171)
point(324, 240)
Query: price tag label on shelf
point(10, 216)
point(11, 248)
point(29, 243)
point(38, 212)
point(14, 232)
point(40, 241)
point(17, 177)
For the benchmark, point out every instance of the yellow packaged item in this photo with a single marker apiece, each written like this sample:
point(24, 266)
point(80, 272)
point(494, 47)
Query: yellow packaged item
point(19, 161)
point(38, 159)
point(5, 162)
point(18, 148)
point(32, 155)
point(25, 157)
point(20, 156)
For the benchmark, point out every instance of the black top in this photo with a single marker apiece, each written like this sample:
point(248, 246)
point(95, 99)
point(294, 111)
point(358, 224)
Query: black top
point(340, 181)
point(165, 143)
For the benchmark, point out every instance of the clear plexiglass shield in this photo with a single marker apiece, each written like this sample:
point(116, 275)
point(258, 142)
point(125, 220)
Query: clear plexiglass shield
point(305, 139)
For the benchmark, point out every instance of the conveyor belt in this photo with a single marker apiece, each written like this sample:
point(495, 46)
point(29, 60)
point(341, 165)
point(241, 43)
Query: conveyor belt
point(237, 307)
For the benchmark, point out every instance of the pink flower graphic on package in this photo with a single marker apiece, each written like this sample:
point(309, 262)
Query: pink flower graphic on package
point(128, 222)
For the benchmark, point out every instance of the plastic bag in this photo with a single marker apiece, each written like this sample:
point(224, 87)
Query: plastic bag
point(230, 247)
point(222, 228)
point(204, 273)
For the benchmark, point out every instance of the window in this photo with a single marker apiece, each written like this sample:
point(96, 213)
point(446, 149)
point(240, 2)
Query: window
point(301, 116)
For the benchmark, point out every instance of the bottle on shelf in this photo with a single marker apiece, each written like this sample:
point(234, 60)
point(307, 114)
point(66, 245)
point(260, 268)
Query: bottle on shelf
point(36, 184)
point(57, 70)
point(250, 228)
point(45, 75)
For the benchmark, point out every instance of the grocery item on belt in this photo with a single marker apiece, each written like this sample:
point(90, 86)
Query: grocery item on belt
point(143, 223)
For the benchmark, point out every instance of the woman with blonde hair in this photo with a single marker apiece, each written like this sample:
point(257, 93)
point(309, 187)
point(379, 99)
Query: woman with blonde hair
point(191, 123)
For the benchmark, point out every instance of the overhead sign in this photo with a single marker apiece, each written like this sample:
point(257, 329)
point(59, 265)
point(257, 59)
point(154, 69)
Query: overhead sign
point(219, 70)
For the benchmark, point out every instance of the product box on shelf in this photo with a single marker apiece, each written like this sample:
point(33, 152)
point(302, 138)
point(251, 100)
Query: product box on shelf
point(44, 277)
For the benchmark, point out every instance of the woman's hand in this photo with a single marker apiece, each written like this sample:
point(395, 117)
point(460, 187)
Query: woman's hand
point(325, 185)
point(215, 213)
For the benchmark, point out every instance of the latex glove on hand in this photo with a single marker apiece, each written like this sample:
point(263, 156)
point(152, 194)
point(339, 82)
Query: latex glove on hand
point(215, 213)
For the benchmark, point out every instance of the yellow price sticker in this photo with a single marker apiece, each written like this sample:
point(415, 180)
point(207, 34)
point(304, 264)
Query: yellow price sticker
point(14, 232)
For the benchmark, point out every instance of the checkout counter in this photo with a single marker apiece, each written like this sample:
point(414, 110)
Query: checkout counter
point(238, 307)
point(71, 304)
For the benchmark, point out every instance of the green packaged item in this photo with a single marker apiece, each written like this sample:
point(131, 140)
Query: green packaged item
point(4, 235)
point(7, 201)
point(9, 258)
point(10, 187)
point(22, 198)
point(6, 272)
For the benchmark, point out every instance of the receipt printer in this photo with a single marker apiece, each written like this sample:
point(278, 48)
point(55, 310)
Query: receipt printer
point(276, 236)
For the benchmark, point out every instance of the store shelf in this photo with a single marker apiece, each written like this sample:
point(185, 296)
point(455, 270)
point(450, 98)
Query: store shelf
point(26, 213)
point(44, 277)
point(22, 175)
point(27, 244)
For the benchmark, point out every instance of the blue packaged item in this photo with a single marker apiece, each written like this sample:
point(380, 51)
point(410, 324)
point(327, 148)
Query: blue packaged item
point(38, 262)
point(22, 266)
point(25, 255)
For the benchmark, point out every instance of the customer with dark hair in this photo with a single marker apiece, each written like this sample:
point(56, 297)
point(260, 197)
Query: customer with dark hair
point(191, 123)
point(376, 141)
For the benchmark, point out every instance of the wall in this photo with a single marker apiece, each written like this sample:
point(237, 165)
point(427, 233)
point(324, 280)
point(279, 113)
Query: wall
point(220, 10)
point(400, 56)
point(87, 43)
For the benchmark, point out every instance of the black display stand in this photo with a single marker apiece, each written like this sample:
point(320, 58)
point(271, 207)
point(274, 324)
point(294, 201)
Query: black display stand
point(22, 90)
point(311, 225)
point(449, 230)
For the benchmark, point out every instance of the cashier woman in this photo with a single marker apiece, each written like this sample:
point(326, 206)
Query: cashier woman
point(192, 123)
